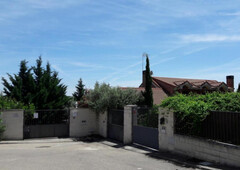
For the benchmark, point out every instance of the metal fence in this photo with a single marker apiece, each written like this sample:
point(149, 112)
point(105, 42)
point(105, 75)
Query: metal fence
point(222, 126)
point(39, 117)
point(219, 126)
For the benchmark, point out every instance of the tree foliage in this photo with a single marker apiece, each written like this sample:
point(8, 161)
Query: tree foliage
point(7, 103)
point(194, 108)
point(148, 95)
point(21, 86)
point(80, 91)
point(38, 85)
point(104, 97)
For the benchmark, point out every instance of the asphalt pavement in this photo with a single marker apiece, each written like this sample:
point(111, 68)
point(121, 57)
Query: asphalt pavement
point(68, 154)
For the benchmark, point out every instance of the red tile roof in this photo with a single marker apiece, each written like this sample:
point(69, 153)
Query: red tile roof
point(158, 93)
point(163, 87)
point(179, 81)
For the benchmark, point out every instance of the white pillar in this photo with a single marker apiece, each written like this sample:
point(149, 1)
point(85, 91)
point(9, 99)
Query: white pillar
point(127, 124)
point(13, 120)
point(166, 129)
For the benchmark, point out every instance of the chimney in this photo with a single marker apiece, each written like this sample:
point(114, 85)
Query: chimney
point(144, 78)
point(230, 81)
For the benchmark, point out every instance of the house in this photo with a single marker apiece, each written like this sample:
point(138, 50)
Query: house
point(163, 87)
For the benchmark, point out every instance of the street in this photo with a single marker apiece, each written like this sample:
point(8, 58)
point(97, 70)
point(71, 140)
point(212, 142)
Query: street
point(70, 154)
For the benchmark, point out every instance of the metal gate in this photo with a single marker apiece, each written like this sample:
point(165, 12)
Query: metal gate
point(145, 128)
point(115, 124)
point(46, 123)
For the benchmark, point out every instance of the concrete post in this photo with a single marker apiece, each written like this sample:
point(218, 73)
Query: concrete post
point(13, 122)
point(166, 129)
point(127, 124)
point(102, 124)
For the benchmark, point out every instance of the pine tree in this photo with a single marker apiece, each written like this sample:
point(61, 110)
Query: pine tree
point(78, 95)
point(37, 85)
point(148, 95)
point(50, 93)
point(21, 86)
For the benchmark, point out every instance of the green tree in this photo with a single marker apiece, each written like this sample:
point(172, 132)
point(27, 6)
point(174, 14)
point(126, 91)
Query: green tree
point(104, 97)
point(50, 92)
point(80, 91)
point(192, 109)
point(37, 85)
point(21, 86)
point(148, 95)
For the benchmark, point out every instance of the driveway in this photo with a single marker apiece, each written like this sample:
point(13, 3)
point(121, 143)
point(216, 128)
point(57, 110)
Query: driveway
point(72, 154)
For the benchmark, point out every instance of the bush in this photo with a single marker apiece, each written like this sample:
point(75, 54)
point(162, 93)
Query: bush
point(7, 103)
point(191, 110)
point(104, 97)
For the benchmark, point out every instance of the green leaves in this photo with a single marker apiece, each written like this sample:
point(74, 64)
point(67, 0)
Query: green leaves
point(103, 97)
point(37, 85)
point(193, 109)
point(7, 103)
point(80, 91)
point(148, 95)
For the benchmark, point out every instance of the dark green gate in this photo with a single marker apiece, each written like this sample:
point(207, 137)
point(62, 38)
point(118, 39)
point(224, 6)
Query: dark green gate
point(46, 123)
point(115, 124)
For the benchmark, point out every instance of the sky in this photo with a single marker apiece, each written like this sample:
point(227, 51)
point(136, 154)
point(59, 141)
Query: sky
point(105, 40)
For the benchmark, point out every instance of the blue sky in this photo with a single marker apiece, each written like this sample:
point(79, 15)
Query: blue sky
point(104, 40)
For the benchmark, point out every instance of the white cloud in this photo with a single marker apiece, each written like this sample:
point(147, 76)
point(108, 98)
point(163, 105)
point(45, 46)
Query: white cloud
point(130, 83)
point(57, 68)
point(231, 14)
point(47, 4)
point(120, 71)
point(15, 9)
point(163, 61)
point(209, 38)
point(86, 65)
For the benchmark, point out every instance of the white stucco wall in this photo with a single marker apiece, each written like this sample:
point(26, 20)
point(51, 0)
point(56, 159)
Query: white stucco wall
point(102, 124)
point(83, 122)
point(195, 147)
point(127, 124)
point(13, 122)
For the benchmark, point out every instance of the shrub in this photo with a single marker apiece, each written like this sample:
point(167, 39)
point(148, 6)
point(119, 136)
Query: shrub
point(104, 97)
point(7, 103)
point(191, 110)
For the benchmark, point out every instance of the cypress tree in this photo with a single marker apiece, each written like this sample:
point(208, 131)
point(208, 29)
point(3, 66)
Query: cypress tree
point(148, 87)
point(50, 92)
point(42, 88)
point(79, 93)
point(21, 86)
